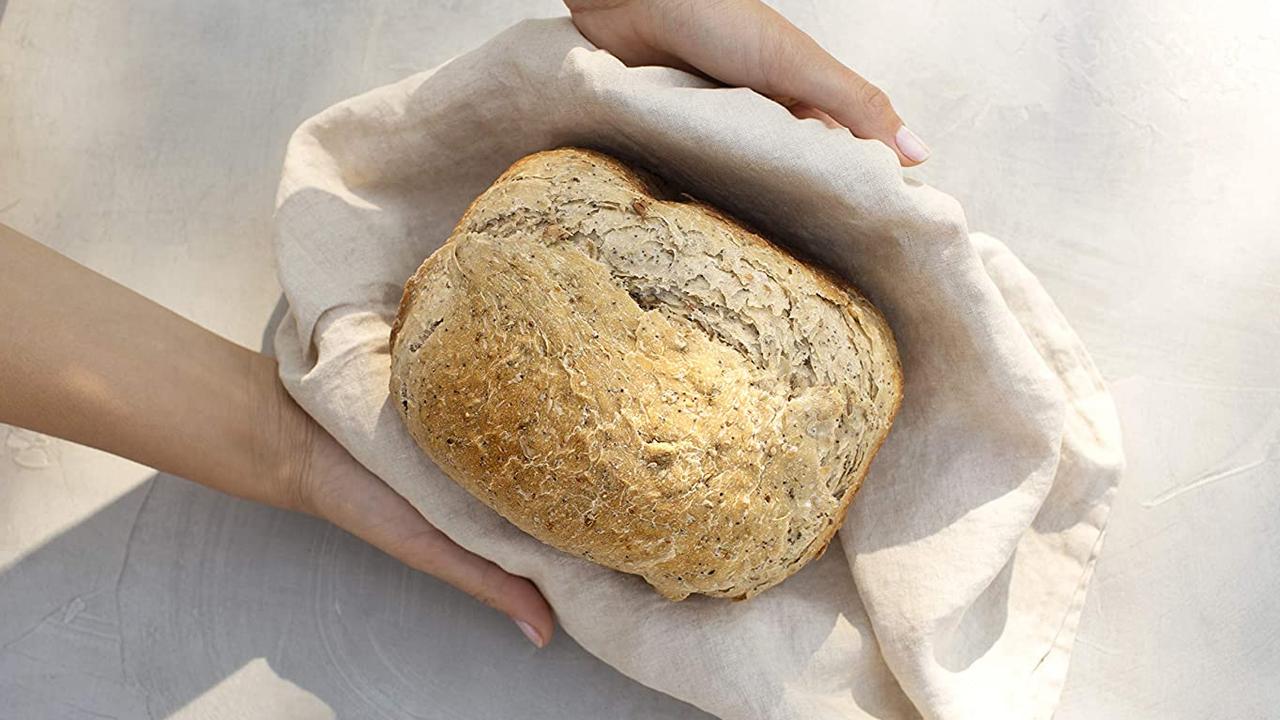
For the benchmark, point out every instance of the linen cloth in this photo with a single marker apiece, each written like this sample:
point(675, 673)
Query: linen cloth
point(957, 581)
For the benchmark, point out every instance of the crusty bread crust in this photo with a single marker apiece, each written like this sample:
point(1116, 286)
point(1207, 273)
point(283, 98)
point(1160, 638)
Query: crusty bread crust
point(641, 380)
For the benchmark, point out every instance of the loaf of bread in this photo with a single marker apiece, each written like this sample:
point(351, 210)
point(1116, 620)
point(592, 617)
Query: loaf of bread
point(633, 377)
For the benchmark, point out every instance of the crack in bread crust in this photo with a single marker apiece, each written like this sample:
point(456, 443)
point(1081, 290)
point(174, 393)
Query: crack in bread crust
point(638, 379)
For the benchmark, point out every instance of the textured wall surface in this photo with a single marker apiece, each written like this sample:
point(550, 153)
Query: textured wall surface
point(1125, 150)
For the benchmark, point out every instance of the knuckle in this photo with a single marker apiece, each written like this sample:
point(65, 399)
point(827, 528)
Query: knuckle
point(489, 589)
point(873, 97)
point(588, 5)
point(420, 550)
point(777, 61)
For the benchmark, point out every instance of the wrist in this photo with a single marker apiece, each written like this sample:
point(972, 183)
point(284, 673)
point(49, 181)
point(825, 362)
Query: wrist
point(281, 440)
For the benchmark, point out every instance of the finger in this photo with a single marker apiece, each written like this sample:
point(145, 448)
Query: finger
point(746, 43)
point(801, 69)
point(363, 505)
point(803, 111)
point(427, 549)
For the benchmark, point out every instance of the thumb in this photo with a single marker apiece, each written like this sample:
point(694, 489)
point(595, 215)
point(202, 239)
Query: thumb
point(431, 551)
point(359, 502)
point(806, 73)
point(749, 44)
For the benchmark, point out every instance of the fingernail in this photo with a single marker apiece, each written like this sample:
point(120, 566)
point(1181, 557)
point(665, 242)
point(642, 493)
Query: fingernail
point(529, 632)
point(911, 145)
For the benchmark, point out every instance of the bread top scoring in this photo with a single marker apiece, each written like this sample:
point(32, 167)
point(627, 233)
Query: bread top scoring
point(641, 380)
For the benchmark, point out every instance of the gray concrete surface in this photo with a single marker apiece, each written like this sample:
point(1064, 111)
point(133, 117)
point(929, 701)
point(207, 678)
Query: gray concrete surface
point(1125, 150)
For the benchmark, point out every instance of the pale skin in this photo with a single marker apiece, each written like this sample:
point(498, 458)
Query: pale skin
point(88, 360)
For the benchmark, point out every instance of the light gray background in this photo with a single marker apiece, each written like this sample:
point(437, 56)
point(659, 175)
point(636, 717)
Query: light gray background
point(1126, 150)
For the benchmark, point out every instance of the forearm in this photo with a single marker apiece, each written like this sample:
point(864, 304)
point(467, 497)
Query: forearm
point(88, 360)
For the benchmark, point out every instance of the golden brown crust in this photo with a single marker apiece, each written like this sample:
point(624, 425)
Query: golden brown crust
point(640, 380)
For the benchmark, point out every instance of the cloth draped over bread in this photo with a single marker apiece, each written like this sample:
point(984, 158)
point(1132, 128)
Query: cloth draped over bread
point(956, 582)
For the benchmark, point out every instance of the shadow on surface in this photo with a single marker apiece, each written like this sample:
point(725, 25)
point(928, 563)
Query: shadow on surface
point(211, 583)
point(195, 589)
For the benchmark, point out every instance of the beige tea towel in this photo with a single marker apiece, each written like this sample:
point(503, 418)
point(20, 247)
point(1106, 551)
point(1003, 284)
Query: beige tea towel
point(957, 581)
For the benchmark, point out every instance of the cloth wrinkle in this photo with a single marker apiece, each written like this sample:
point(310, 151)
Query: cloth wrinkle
point(965, 557)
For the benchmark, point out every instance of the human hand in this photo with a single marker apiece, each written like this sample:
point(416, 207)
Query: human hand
point(315, 474)
point(88, 360)
point(746, 43)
